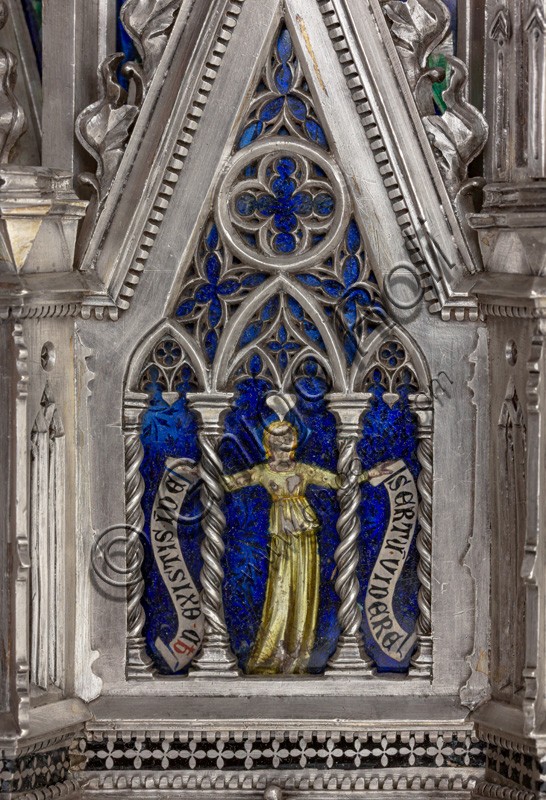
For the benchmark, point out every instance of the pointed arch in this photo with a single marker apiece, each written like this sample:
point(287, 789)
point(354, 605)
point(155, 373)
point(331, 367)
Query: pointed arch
point(340, 45)
point(300, 362)
point(48, 419)
point(511, 412)
point(135, 403)
point(367, 356)
point(219, 175)
point(141, 354)
point(226, 360)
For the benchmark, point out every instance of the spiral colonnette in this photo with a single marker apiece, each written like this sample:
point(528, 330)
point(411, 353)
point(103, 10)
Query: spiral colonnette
point(212, 547)
point(134, 515)
point(348, 528)
point(424, 537)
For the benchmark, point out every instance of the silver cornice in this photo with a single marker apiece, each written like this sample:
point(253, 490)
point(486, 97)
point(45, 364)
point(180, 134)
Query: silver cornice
point(254, 757)
point(50, 727)
point(57, 294)
point(500, 724)
point(70, 789)
point(323, 783)
point(515, 312)
point(511, 295)
point(497, 792)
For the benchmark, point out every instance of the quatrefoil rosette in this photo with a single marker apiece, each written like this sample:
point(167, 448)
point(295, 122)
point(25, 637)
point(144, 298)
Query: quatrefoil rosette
point(282, 205)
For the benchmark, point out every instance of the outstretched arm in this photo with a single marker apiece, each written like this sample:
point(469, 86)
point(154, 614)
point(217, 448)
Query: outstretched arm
point(331, 480)
point(377, 472)
point(239, 480)
point(321, 477)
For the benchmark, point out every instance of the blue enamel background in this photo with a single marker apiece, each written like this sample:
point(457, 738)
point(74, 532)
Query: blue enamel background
point(386, 434)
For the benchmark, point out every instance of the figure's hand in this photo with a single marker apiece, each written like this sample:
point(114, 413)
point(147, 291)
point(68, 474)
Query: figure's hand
point(381, 469)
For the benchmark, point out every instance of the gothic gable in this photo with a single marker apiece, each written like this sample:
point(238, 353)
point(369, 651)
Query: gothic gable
point(360, 99)
point(263, 288)
point(272, 519)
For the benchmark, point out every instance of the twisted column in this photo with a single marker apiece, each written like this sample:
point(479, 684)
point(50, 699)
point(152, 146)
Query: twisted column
point(216, 658)
point(139, 665)
point(349, 657)
point(421, 661)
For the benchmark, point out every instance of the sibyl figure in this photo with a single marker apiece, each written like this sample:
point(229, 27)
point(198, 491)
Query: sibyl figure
point(286, 634)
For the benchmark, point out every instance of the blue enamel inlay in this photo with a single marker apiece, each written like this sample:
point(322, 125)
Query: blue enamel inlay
point(353, 238)
point(387, 434)
point(250, 133)
point(255, 328)
point(211, 290)
point(316, 133)
point(284, 83)
point(351, 271)
point(285, 204)
point(167, 431)
point(282, 348)
point(353, 296)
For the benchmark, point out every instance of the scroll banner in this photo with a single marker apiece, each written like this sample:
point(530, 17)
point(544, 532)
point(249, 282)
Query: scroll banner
point(179, 475)
point(393, 640)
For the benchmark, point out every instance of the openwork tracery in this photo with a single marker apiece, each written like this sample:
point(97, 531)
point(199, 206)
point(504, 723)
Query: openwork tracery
point(167, 368)
point(391, 369)
point(282, 318)
point(282, 103)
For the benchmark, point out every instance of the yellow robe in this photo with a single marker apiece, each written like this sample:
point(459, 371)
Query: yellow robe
point(287, 629)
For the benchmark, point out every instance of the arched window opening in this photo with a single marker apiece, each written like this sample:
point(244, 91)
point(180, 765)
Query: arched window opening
point(292, 423)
